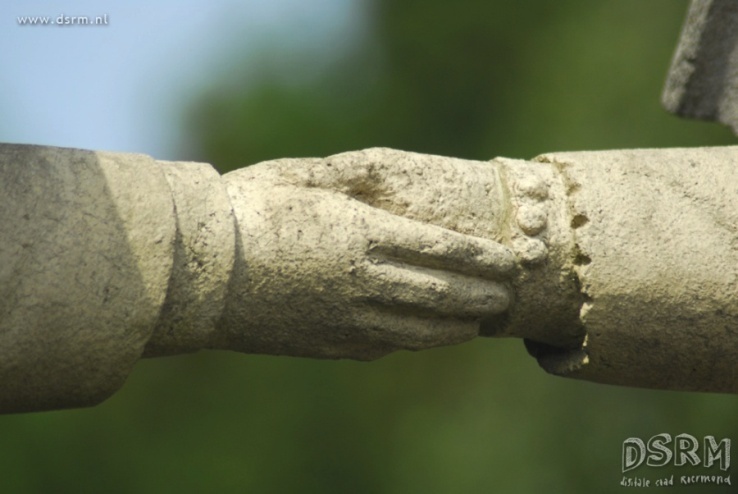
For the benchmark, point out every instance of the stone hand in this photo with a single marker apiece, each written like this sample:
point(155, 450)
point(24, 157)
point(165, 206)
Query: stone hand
point(322, 272)
point(461, 195)
point(108, 257)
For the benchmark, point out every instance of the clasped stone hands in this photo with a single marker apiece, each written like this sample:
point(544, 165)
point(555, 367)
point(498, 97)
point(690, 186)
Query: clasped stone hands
point(355, 256)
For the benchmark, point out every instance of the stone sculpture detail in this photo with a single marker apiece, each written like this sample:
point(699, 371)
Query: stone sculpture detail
point(616, 266)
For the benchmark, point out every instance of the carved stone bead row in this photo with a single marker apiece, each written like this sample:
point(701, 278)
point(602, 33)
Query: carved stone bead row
point(530, 198)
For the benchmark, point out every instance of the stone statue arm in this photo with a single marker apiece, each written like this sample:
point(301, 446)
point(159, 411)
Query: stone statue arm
point(653, 247)
point(627, 260)
point(618, 267)
point(108, 257)
point(324, 272)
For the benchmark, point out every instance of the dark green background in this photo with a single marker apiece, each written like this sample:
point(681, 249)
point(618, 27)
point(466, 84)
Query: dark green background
point(473, 79)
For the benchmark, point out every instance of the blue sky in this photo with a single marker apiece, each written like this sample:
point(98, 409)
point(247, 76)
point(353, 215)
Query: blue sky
point(122, 86)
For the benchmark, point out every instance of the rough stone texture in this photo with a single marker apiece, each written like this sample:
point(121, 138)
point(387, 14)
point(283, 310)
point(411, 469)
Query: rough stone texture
point(703, 78)
point(203, 259)
point(615, 266)
point(547, 297)
point(337, 258)
point(656, 234)
point(85, 259)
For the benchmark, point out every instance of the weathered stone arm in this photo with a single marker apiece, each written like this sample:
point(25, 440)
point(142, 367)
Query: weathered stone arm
point(617, 267)
point(656, 256)
point(627, 260)
point(324, 273)
point(107, 257)
point(94, 260)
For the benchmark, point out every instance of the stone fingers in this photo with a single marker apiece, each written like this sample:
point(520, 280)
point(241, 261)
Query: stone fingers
point(414, 269)
point(427, 292)
point(424, 245)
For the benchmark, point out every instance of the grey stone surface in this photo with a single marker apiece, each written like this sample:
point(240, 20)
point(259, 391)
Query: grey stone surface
point(703, 79)
point(203, 257)
point(547, 296)
point(85, 257)
point(618, 267)
point(339, 258)
point(657, 243)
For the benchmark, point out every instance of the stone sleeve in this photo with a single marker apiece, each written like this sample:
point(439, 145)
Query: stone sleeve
point(90, 243)
point(656, 257)
point(204, 251)
point(628, 263)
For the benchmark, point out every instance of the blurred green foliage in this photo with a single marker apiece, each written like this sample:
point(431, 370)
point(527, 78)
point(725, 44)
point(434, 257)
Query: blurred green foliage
point(471, 79)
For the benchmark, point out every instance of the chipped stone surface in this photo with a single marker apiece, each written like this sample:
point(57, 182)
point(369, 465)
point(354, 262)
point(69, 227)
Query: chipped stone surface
point(657, 238)
point(618, 267)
